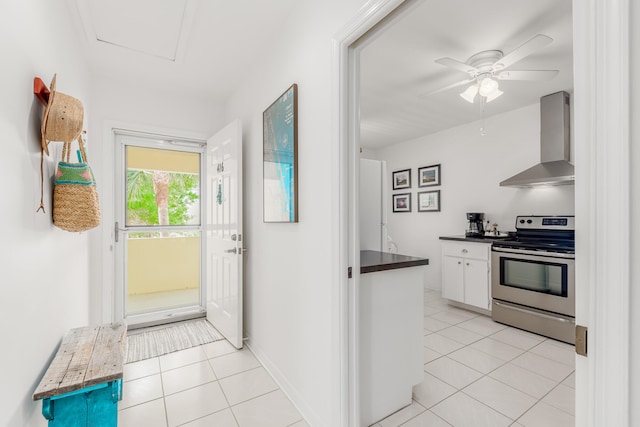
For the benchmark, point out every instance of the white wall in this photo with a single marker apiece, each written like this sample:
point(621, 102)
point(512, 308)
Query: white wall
point(634, 327)
point(289, 317)
point(472, 167)
point(123, 104)
point(43, 270)
point(367, 153)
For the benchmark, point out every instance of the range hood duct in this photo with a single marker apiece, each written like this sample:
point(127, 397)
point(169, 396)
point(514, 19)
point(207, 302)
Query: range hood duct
point(554, 167)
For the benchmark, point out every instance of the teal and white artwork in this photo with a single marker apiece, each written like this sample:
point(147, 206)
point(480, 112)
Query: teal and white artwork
point(280, 165)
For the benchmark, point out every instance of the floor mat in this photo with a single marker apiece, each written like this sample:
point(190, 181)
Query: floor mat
point(152, 342)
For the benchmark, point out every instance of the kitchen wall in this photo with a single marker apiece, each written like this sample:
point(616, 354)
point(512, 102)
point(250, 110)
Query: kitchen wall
point(290, 319)
point(44, 276)
point(472, 167)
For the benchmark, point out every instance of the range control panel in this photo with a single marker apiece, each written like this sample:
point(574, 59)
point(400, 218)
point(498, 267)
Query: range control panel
point(536, 222)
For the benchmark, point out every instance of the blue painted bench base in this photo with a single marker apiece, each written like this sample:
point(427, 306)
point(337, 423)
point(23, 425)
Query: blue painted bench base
point(95, 406)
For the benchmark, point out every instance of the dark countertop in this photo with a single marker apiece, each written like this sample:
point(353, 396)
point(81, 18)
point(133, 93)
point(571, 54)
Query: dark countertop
point(487, 239)
point(372, 261)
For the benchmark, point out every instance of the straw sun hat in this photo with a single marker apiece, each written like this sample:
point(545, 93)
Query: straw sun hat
point(63, 118)
point(62, 122)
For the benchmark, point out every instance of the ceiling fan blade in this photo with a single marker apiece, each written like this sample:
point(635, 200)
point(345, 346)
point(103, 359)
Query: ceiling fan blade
point(526, 74)
point(525, 49)
point(457, 65)
point(445, 88)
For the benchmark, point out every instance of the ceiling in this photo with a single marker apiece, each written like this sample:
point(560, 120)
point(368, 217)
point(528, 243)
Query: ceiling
point(206, 48)
point(398, 68)
point(199, 47)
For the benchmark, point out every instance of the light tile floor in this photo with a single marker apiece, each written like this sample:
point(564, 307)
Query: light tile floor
point(481, 373)
point(209, 385)
point(476, 373)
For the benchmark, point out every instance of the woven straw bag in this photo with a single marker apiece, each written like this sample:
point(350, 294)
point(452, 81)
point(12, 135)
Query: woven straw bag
point(75, 197)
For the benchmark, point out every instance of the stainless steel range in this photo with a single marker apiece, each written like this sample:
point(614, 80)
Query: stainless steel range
point(533, 277)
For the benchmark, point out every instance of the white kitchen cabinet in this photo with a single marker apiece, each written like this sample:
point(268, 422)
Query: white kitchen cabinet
point(466, 272)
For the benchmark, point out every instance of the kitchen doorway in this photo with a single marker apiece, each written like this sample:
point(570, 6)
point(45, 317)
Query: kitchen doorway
point(602, 126)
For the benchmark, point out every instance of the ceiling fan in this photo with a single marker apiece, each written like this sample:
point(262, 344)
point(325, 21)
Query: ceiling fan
point(487, 67)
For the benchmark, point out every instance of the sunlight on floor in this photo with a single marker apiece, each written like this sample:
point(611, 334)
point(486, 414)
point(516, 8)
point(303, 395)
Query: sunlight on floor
point(161, 300)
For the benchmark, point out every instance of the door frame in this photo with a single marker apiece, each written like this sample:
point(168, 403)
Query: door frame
point(105, 247)
point(603, 196)
point(345, 115)
point(147, 140)
point(602, 125)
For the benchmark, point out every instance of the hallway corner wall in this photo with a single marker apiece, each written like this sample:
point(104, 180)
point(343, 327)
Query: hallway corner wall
point(43, 270)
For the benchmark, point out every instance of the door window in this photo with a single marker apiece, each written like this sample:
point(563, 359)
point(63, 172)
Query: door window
point(544, 277)
point(160, 207)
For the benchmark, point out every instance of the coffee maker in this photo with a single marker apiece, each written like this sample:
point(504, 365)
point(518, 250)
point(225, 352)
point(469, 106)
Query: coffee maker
point(476, 227)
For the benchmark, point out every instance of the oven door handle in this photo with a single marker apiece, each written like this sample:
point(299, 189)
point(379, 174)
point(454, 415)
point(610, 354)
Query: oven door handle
point(533, 253)
point(535, 313)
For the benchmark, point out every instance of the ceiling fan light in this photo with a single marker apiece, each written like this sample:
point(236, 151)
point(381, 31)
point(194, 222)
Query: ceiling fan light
point(488, 86)
point(470, 93)
point(494, 95)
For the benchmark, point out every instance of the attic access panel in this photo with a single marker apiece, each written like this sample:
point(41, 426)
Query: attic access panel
point(143, 25)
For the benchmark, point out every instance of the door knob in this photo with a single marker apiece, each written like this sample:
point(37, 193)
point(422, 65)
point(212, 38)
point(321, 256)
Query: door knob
point(231, 251)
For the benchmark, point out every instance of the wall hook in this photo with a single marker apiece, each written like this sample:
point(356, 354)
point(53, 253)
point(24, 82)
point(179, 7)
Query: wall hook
point(41, 90)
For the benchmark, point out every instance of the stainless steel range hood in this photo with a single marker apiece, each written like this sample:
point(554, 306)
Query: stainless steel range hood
point(554, 167)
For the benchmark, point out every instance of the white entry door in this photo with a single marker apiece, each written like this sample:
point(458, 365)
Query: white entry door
point(224, 252)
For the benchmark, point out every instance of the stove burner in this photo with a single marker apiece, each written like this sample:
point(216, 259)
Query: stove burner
point(561, 247)
point(542, 233)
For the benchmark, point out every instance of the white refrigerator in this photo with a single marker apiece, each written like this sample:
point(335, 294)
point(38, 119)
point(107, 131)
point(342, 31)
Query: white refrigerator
point(374, 198)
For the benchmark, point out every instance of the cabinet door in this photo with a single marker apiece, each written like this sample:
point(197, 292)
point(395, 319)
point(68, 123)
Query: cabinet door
point(476, 283)
point(452, 278)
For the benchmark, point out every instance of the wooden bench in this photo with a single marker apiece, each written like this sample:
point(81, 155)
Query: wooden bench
point(83, 383)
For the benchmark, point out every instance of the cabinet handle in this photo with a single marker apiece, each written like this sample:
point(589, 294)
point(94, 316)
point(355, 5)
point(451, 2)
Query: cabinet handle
point(459, 262)
point(467, 263)
point(464, 251)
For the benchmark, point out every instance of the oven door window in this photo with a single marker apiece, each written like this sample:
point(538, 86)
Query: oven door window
point(544, 277)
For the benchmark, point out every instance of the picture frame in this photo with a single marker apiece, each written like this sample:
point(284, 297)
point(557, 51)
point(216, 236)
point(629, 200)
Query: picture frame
point(429, 201)
point(280, 158)
point(429, 176)
point(402, 179)
point(402, 202)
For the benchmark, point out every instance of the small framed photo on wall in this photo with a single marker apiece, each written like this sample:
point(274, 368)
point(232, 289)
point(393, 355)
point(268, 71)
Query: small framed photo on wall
point(429, 201)
point(429, 176)
point(402, 179)
point(402, 202)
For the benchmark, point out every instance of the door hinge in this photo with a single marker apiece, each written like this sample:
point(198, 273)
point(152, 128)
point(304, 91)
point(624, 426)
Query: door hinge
point(116, 230)
point(581, 340)
point(350, 273)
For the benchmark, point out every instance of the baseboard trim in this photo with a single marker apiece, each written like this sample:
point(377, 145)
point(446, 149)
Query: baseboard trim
point(287, 388)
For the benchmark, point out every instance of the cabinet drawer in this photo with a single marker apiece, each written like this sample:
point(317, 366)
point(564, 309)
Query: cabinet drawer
point(467, 250)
